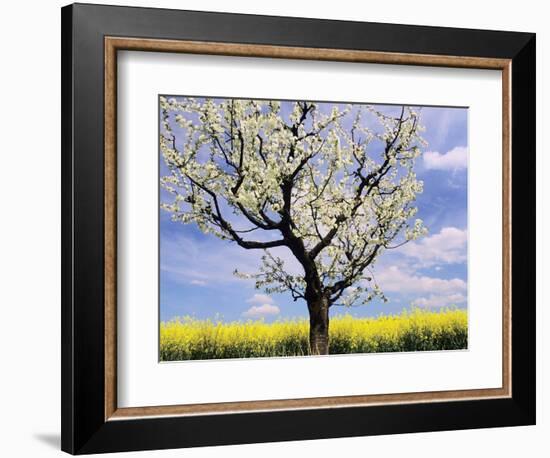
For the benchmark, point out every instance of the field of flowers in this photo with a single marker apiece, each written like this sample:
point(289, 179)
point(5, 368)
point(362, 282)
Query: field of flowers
point(187, 338)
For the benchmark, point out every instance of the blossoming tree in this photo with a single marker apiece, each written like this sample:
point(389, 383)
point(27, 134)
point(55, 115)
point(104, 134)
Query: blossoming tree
point(334, 186)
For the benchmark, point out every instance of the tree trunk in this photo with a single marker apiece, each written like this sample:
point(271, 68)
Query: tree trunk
point(318, 326)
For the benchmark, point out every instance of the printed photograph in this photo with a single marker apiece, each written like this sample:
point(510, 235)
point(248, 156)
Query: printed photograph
point(295, 228)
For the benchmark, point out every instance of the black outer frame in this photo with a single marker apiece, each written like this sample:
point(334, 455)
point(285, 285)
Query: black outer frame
point(84, 429)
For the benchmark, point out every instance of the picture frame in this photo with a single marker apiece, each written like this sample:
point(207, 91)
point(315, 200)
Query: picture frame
point(92, 35)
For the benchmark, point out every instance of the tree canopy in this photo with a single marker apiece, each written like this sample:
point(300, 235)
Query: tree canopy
point(333, 183)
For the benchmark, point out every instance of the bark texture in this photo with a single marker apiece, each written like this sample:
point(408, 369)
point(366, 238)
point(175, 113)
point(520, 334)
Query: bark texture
point(318, 326)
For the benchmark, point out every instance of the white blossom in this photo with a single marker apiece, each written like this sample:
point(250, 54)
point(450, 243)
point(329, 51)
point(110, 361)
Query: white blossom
point(334, 191)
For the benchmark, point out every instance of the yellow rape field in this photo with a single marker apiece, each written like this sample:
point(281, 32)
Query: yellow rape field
point(419, 330)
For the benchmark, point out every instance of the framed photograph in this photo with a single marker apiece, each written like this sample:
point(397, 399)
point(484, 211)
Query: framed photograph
point(282, 228)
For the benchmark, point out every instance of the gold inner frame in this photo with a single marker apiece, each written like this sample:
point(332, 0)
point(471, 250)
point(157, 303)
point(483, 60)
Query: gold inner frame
point(112, 45)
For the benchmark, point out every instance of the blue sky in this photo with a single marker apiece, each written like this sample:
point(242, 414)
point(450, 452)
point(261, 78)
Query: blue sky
point(196, 270)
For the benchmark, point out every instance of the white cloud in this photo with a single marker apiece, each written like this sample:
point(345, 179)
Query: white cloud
point(261, 311)
point(446, 247)
point(260, 299)
point(440, 301)
point(266, 307)
point(455, 159)
point(198, 282)
point(186, 259)
point(393, 279)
